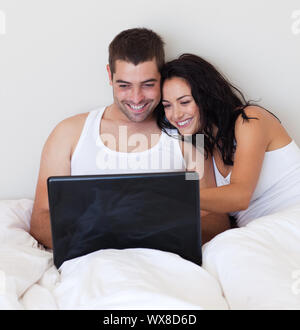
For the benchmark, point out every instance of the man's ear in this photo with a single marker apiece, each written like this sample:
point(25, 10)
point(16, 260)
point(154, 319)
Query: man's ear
point(109, 74)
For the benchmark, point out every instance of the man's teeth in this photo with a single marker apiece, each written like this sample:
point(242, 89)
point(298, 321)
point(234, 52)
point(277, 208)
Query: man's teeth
point(136, 107)
point(182, 123)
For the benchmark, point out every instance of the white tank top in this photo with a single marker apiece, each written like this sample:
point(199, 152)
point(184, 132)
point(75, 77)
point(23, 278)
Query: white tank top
point(91, 156)
point(278, 185)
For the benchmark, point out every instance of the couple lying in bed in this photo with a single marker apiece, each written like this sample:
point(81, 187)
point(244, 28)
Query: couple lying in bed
point(251, 165)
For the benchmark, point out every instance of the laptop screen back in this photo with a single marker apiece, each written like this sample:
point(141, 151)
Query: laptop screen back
point(156, 211)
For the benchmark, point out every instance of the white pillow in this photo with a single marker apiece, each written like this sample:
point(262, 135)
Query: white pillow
point(15, 222)
point(22, 263)
point(258, 266)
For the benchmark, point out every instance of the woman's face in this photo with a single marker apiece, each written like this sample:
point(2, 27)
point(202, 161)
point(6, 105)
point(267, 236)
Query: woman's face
point(180, 107)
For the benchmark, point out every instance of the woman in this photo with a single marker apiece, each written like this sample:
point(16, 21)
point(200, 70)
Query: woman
point(256, 162)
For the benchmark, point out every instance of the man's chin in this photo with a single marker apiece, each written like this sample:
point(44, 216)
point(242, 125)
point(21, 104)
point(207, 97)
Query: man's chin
point(138, 118)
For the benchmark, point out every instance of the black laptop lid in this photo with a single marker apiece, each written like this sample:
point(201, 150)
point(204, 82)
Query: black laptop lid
point(157, 211)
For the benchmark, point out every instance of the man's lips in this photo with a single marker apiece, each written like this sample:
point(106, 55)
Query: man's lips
point(137, 108)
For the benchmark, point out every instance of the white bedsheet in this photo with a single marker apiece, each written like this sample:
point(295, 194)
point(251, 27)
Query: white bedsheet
point(255, 267)
point(107, 279)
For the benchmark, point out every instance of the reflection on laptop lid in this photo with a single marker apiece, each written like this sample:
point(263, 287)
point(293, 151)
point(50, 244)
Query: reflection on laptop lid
point(153, 210)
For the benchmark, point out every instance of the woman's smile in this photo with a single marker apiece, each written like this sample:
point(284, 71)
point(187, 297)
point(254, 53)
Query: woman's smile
point(180, 107)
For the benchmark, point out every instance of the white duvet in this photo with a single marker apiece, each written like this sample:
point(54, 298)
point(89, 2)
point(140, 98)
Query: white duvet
point(107, 279)
point(256, 267)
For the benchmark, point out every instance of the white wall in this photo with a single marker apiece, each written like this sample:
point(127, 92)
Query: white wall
point(53, 55)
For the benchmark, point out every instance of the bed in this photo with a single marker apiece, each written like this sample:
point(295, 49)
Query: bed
point(254, 267)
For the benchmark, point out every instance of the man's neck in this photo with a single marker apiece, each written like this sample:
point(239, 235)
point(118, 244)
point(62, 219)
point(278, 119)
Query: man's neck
point(116, 123)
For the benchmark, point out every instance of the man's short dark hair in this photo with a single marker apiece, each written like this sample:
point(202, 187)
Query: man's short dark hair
point(136, 46)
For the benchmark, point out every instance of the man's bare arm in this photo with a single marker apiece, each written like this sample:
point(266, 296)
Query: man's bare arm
point(55, 160)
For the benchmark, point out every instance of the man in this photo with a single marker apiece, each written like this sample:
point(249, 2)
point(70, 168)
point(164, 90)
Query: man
point(109, 139)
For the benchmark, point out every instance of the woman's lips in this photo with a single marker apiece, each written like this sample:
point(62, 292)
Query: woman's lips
point(184, 123)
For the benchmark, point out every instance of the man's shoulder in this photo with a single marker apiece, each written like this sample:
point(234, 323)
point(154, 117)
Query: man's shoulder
point(73, 121)
point(77, 121)
point(68, 129)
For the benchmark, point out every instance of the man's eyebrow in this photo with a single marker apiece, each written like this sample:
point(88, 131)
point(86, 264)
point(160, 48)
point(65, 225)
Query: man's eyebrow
point(120, 81)
point(179, 98)
point(149, 80)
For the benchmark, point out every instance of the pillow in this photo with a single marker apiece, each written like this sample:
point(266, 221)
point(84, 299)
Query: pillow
point(15, 222)
point(258, 266)
point(22, 261)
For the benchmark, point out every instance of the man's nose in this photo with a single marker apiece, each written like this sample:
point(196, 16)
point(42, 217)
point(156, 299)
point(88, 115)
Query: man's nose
point(137, 95)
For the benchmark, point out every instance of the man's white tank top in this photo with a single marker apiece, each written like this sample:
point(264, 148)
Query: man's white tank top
point(91, 156)
point(278, 185)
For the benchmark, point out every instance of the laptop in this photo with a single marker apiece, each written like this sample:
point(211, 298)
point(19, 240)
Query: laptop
point(152, 210)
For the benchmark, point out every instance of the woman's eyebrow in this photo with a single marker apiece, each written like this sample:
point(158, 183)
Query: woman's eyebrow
point(179, 98)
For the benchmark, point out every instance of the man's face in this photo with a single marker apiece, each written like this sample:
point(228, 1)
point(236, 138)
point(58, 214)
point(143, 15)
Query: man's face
point(136, 88)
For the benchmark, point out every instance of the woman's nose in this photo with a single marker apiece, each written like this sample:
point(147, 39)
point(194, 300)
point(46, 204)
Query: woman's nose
point(177, 114)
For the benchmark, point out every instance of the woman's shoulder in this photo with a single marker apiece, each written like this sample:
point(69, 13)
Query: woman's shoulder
point(256, 116)
point(262, 125)
point(258, 112)
point(251, 126)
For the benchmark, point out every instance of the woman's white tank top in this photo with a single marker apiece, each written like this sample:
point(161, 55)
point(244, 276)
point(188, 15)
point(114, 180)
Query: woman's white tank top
point(278, 185)
point(91, 156)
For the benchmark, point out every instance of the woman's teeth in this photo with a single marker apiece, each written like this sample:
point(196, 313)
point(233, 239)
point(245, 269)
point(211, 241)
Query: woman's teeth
point(184, 123)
